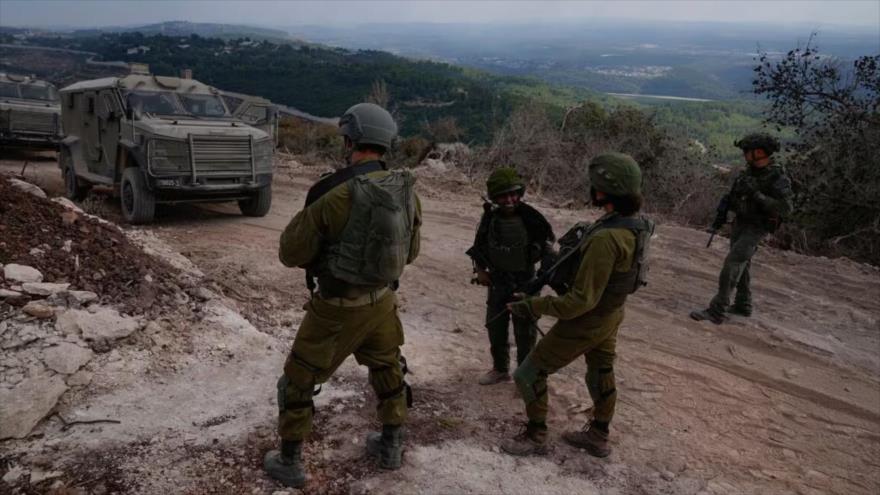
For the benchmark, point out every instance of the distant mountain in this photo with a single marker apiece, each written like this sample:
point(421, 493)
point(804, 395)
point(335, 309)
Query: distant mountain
point(204, 29)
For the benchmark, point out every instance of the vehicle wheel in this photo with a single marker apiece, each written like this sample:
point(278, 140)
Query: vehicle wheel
point(73, 188)
point(258, 204)
point(138, 203)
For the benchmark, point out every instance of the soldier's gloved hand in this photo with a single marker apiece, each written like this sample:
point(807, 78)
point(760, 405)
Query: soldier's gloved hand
point(521, 309)
point(483, 278)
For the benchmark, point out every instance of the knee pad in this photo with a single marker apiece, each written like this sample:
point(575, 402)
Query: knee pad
point(530, 380)
point(600, 383)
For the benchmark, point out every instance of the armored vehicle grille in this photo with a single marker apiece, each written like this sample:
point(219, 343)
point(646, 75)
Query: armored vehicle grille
point(222, 154)
point(18, 121)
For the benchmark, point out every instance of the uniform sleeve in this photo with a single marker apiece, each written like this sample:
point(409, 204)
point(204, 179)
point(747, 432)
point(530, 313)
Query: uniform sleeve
point(320, 222)
point(415, 241)
point(778, 199)
point(600, 256)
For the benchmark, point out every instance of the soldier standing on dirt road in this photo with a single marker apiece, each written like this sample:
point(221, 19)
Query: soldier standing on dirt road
point(359, 227)
point(760, 198)
point(511, 237)
point(608, 264)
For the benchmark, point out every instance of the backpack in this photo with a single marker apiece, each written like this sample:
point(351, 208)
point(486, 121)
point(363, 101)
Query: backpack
point(571, 246)
point(374, 245)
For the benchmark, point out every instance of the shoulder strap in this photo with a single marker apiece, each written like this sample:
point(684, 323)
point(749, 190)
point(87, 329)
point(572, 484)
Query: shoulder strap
point(341, 176)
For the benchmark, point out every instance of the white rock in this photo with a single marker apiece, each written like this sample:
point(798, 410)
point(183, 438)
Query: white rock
point(13, 475)
point(68, 245)
point(70, 205)
point(82, 296)
point(39, 309)
point(5, 293)
point(27, 403)
point(21, 273)
point(80, 379)
point(100, 324)
point(66, 358)
point(38, 475)
point(36, 252)
point(27, 187)
point(43, 288)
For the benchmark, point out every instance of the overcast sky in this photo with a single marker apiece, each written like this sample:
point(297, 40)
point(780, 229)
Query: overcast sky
point(289, 13)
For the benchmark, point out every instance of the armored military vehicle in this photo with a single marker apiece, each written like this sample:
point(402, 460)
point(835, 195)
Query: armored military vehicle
point(29, 112)
point(254, 110)
point(158, 139)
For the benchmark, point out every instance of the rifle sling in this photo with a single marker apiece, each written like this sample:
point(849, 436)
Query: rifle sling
point(341, 176)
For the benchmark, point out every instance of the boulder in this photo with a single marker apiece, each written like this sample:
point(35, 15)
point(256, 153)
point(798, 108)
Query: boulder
point(102, 324)
point(70, 205)
point(27, 187)
point(39, 309)
point(21, 273)
point(27, 403)
point(43, 288)
point(11, 294)
point(81, 296)
point(66, 358)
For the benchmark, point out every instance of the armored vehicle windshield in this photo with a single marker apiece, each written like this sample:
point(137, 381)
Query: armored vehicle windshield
point(175, 104)
point(28, 92)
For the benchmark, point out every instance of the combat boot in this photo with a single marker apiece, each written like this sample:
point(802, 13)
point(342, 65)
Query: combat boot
point(531, 440)
point(590, 438)
point(713, 315)
point(494, 376)
point(387, 446)
point(285, 465)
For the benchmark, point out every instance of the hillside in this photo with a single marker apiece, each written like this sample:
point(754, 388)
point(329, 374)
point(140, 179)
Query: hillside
point(784, 402)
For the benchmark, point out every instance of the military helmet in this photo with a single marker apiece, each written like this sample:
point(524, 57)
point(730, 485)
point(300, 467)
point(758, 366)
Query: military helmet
point(758, 140)
point(615, 173)
point(368, 123)
point(504, 180)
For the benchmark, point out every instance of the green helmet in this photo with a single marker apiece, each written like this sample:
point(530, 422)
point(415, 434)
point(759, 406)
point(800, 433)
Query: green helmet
point(504, 180)
point(368, 123)
point(758, 140)
point(615, 173)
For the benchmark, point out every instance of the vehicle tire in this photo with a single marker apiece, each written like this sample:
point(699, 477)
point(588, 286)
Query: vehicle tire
point(258, 204)
point(74, 188)
point(138, 203)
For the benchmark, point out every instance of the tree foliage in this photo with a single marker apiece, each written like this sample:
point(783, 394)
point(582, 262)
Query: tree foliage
point(834, 108)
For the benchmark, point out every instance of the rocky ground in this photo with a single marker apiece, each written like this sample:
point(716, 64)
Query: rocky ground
point(158, 375)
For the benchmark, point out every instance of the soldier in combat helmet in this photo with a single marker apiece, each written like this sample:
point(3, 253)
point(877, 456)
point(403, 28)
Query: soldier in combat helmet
point(359, 227)
point(599, 265)
point(511, 238)
point(760, 198)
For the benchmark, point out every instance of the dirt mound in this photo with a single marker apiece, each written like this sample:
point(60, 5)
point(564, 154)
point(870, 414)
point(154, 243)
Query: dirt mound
point(68, 246)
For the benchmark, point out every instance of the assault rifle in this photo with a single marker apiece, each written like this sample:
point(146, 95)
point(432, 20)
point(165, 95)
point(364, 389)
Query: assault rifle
point(720, 218)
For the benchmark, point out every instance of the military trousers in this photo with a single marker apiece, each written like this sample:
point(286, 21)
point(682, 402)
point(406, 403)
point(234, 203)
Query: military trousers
point(744, 240)
point(524, 330)
point(329, 333)
point(593, 336)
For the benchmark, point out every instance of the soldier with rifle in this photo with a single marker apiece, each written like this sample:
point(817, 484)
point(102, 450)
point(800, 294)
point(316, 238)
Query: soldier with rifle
point(357, 231)
point(599, 265)
point(511, 238)
point(760, 198)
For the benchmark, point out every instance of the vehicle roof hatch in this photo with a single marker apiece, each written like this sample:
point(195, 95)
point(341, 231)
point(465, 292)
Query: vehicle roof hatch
point(167, 82)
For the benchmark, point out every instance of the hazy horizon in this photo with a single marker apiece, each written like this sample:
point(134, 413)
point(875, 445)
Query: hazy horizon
point(855, 14)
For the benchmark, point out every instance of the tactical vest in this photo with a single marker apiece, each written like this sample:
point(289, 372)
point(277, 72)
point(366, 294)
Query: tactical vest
point(374, 246)
point(571, 250)
point(746, 208)
point(508, 244)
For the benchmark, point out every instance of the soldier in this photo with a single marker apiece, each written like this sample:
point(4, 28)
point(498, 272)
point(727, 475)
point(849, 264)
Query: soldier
point(358, 229)
point(606, 262)
point(511, 237)
point(760, 198)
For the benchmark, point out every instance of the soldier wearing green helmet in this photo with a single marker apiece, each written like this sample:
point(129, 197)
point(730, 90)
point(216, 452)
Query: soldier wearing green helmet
point(511, 238)
point(599, 265)
point(760, 198)
point(353, 251)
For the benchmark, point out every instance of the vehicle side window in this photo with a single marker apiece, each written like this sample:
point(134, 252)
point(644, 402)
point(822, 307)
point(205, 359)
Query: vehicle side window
point(8, 90)
point(232, 102)
point(110, 103)
point(254, 114)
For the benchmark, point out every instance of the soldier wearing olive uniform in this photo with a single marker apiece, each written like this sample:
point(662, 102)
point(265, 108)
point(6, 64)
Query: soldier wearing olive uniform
point(609, 264)
point(760, 198)
point(511, 238)
point(358, 229)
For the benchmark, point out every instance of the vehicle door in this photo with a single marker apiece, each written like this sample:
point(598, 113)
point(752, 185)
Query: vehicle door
point(91, 134)
point(110, 125)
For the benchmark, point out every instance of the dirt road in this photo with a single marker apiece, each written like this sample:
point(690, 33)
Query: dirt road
point(787, 401)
